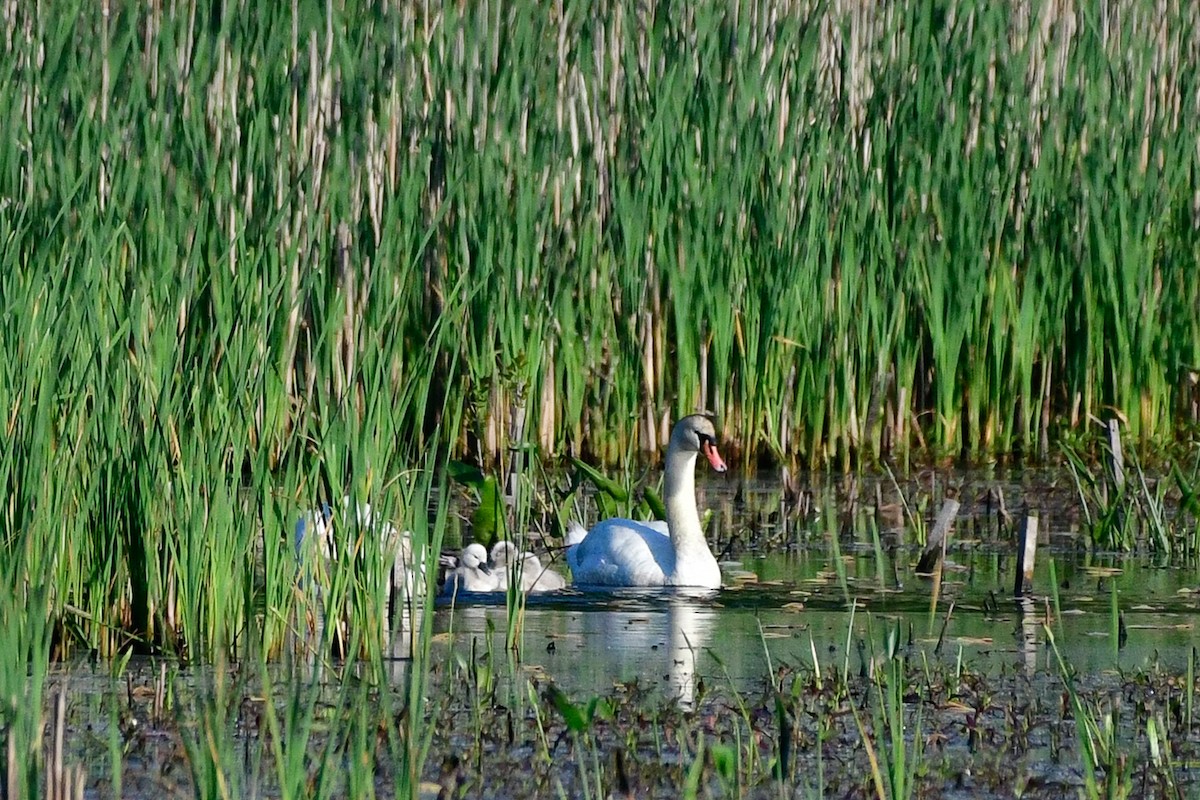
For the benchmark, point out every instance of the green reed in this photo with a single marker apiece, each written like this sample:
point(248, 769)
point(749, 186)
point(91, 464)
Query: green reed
point(25, 641)
point(962, 235)
point(1100, 748)
point(260, 259)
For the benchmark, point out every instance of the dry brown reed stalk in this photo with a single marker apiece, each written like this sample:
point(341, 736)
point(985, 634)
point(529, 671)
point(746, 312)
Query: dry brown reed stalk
point(63, 781)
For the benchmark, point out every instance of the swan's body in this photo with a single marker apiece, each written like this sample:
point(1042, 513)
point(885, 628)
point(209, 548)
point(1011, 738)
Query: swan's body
point(318, 551)
point(472, 574)
point(534, 577)
point(626, 552)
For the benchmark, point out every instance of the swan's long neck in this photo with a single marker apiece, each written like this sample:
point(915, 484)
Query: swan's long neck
point(682, 517)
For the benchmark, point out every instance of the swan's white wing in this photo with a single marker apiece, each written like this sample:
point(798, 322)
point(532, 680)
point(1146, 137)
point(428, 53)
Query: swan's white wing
point(576, 533)
point(623, 552)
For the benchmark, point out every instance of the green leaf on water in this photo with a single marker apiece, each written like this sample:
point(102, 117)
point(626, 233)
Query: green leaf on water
point(571, 713)
point(598, 707)
point(724, 761)
point(578, 718)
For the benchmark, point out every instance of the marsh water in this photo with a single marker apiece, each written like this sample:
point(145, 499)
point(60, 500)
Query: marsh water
point(832, 584)
point(820, 581)
point(588, 642)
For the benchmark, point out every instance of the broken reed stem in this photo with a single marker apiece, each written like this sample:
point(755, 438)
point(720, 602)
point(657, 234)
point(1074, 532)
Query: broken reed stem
point(935, 545)
point(1116, 456)
point(1026, 552)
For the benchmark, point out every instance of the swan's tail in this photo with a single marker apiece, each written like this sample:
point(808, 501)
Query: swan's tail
point(575, 533)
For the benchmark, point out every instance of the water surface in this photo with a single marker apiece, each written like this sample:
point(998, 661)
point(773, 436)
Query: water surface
point(800, 612)
point(825, 577)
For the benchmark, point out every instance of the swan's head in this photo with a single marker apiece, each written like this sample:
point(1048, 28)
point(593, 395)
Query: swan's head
point(696, 434)
point(503, 553)
point(474, 556)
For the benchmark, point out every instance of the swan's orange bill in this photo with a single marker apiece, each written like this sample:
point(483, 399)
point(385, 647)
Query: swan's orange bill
point(710, 452)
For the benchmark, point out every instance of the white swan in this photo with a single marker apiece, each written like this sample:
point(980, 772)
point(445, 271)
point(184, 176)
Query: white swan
point(316, 550)
point(472, 574)
point(534, 577)
point(626, 552)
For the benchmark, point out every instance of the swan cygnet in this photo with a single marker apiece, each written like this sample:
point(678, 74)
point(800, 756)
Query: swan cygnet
point(472, 574)
point(626, 552)
point(534, 576)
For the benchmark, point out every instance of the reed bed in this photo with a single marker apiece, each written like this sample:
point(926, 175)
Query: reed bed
point(850, 230)
point(254, 257)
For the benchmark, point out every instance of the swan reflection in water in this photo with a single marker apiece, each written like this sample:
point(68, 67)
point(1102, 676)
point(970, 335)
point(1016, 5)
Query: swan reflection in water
point(690, 618)
point(655, 637)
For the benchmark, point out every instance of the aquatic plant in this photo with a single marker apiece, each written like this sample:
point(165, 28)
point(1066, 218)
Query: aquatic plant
point(668, 194)
point(1100, 748)
point(258, 258)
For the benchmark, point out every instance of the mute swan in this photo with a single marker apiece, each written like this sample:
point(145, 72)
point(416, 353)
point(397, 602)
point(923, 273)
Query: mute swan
point(534, 577)
point(317, 550)
point(626, 552)
point(315, 528)
point(472, 573)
